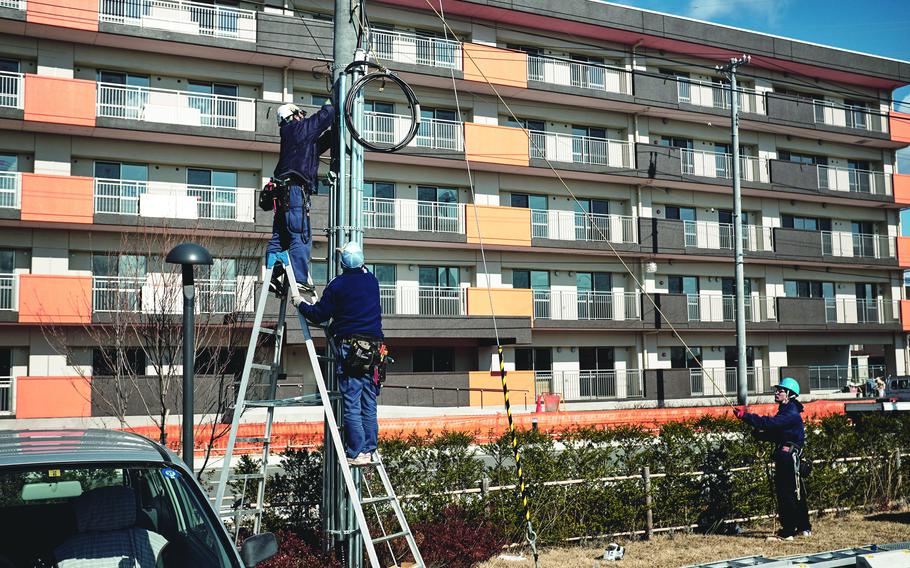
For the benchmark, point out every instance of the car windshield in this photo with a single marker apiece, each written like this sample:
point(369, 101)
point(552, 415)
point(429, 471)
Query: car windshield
point(67, 515)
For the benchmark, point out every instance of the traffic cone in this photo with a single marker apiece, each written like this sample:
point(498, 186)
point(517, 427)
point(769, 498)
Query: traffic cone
point(539, 404)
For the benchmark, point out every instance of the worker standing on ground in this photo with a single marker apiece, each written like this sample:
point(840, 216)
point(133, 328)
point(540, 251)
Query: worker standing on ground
point(351, 301)
point(787, 431)
point(293, 182)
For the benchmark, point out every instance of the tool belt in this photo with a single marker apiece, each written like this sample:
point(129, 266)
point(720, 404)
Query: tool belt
point(275, 195)
point(363, 355)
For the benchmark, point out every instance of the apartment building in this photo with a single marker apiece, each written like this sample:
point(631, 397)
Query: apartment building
point(595, 224)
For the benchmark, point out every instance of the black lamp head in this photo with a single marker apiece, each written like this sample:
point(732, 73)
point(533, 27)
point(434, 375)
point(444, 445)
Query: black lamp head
point(189, 254)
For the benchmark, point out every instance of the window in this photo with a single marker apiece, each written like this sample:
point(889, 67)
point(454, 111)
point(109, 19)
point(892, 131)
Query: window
point(726, 216)
point(531, 279)
point(799, 95)
point(220, 361)
point(728, 286)
point(731, 356)
point(378, 190)
point(437, 209)
point(379, 107)
point(124, 96)
point(122, 266)
point(808, 159)
point(118, 78)
point(384, 273)
point(529, 49)
point(439, 292)
point(216, 190)
point(682, 284)
point(680, 213)
point(122, 171)
point(434, 360)
point(9, 66)
point(7, 261)
point(808, 289)
point(526, 123)
point(126, 361)
point(319, 270)
point(528, 201)
point(673, 142)
point(533, 359)
point(8, 162)
point(6, 364)
point(805, 223)
point(378, 207)
point(681, 358)
point(317, 100)
point(216, 103)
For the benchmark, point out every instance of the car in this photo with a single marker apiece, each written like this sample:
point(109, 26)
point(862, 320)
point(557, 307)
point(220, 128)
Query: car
point(106, 498)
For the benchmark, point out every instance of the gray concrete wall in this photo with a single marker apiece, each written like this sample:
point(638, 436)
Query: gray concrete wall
point(662, 384)
point(423, 392)
point(793, 177)
point(647, 87)
point(801, 312)
point(657, 161)
point(794, 242)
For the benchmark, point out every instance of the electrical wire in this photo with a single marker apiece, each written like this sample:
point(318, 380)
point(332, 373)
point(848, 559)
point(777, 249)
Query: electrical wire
point(382, 75)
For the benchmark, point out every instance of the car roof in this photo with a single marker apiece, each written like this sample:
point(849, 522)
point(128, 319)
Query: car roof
point(41, 447)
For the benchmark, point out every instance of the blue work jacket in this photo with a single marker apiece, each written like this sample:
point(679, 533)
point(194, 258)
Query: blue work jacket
point(299, 156)
point(785, 426)
point(351, 300)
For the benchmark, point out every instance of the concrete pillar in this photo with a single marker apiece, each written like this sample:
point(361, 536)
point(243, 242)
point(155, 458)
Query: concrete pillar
point(55, 59)
point(53, 155)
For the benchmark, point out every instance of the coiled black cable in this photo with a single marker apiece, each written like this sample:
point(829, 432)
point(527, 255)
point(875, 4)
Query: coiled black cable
point(382, 74)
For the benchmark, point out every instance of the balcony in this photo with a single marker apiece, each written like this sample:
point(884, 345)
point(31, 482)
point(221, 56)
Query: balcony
point(7, 395)
point(422, 300)
point(858, 245)
point(758, 379)
point(8, 299)
point(11, 88)
point(175, 107)
point(835, 378)
point(861, 311)
point(720, 165)
point(574, 226)
point(413, 215)
point(573, 149)
point(14, 4)
point(575, 305)
point(433, 134)
point(856, 181)
point(181, 17)
point(10, 190)
point(595, 384)
point(173, 200)
point(713, 235)
point(722, 308)
point(848, 116)
point(156, 295)
point(580, 75)
point(717, 95)
point(415, 50)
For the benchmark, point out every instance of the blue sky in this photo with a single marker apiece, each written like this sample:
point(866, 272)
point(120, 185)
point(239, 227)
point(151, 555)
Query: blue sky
point(877, 27)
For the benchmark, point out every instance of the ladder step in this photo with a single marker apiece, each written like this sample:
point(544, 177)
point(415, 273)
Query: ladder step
point(262, 367)
point(246, 476)
point(232, 512)
point(375, 500)
point(254, 440)
point(367, 464)
point(266, 330)
point(391, 537)
point(304, 400)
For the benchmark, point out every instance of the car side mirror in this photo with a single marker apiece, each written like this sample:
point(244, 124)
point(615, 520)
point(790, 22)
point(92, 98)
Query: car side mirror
point(258, 548)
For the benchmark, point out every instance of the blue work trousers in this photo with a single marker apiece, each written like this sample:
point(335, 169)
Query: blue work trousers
point(291, 231)
point(361, 427)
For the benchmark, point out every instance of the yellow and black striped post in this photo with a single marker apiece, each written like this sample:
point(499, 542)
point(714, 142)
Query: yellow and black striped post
point(522, 488)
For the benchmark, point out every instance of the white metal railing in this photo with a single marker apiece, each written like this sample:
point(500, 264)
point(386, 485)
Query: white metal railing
point(722, 308)
point(383, 128)
point(837, 377)
point(10, 190)
point(586, 305)
point(717, 95)
point(11, 85)
point(175, 107)
point(720, 165)
point(117, 294)
point(7, 395)
point(714, 235)
point(574, 149)
point(596, 76)
point(14, 4)
point(591, 384)
point(217, 296)
point(849, 116)
point(182, 17)
point(758, 380)
point(858, 181)
point(844, 244)
point(8, 299)
point(422, 300)
point(410, 48)
point(413, 215)
point(125, 294)
point(576, 226)
point(174, 200)
point(861, 310)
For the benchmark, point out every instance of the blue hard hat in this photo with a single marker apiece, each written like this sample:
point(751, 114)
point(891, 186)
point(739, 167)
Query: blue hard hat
point(351, 255)
point(790, 384)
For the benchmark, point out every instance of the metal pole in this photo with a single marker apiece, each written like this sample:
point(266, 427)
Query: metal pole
point(189, 341)
point(649, 513)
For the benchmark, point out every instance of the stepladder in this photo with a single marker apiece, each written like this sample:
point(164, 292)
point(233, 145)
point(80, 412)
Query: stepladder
point(258, 388)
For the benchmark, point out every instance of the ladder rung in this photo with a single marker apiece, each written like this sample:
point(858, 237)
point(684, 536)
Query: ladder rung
point(390, 537)
point(253, 440)
point(374, 500)
point(304, 400)
point(367, 464)
point(233, 512)
point(267, 330)
point(262, 367)
point(247, 476)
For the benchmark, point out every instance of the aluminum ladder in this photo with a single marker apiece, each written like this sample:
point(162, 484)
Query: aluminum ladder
point(272, 368)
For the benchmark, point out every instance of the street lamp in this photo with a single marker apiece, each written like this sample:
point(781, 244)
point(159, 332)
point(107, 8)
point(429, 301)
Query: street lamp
point(188, 255)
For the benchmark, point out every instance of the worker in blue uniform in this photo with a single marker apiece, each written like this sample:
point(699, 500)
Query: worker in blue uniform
point(293, 182)
point(351, 301)
point(788, 433)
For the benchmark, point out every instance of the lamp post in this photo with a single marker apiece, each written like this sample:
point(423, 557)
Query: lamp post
point(188, 255)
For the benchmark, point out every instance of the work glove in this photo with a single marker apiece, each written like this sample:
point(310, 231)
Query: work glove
point(739, 411)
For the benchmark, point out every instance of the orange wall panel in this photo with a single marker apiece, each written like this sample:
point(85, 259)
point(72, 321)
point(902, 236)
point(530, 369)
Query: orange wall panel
point(75, 14)
point(51, 299)
point(499, 66)
point(53, 397)
point(498, 225)
point(496, 144)
point(905, 315)
point(899, 126)
point(903, 252)
point(901, 185)
point(514, 302)
point(61, 199)
point(59, 100)
point(516, 380)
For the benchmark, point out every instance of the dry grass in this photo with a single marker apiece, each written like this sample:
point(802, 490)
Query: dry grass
point(672, 551)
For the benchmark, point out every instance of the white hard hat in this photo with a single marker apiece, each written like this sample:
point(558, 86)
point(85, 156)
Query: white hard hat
point(286, 111)
point(351, 255)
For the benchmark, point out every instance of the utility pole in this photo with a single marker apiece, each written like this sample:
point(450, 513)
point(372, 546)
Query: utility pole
point(742, 384)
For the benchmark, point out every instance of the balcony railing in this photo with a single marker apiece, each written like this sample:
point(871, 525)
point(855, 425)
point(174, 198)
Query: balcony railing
point(857, 181)
point(722, 308)
point(569, 73)
point(596, 384)
point(8, 299)
point(217, 296)
point(849, 116)
point(758, 380)
point(436, 134)
point(575, 305)
point(14, 4)
point(7, 395)
point(11, 89)
point(173, 200)
point(837, 377)
point(175, 107)
point(182, 17)
point(720, 165)
point(113, 294)
point(717, 95)
point(580, 149)
point(10, 190)
point(416, 50)
point(860, 310)
point(124, 294)
point(864, 245)
point(574, 226)
point(714, 235)
point(413, 215)
point(422, 300)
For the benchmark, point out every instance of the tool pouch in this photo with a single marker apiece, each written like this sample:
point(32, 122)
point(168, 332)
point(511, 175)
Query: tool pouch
point(267, 197)
point(362, 355)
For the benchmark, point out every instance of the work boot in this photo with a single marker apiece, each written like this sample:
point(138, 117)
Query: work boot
point(276, 284)
point(806, 533)
point(361, 459)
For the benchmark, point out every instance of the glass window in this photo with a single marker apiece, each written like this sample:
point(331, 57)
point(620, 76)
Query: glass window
point(121, 171)
point(7, 261)
point(445, 276)
point(533, 279)
point(594, 358)
point(528, 124)
point(376, 106)
point(129, 360)
point(8, 162)
point(681, 358)
point(434, 360)
point(528, 201)
point(594, 281)
point(124, 265)
point(682, 284)
point(533, 359)
point(9, 65)
point(379, 189)
point(319, 268)
point(808, 289)
point(437, 194)
point(384, 273)
point(118, 78)
point(673, 142)
point(680, 213)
